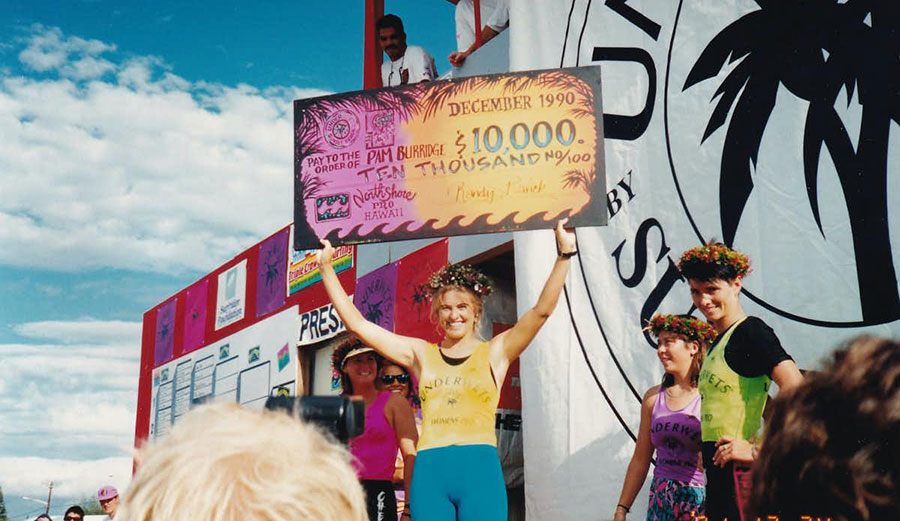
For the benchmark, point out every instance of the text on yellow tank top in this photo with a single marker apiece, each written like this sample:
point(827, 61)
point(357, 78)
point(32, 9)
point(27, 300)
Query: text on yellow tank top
point(731, 404)
point(459, 402)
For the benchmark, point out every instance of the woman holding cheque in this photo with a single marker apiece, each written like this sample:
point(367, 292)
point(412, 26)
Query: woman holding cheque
point(670, 425)
point(457, 474)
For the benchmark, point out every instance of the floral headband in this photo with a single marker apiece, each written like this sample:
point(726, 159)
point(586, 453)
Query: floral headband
point(717, 254)
point(692, 328)
point(462, 275)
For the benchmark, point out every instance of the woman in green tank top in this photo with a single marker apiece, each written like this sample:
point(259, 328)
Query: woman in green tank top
point(736, 373)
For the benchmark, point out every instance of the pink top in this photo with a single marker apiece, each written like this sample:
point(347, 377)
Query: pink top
point(676, 438)
point(375, 450)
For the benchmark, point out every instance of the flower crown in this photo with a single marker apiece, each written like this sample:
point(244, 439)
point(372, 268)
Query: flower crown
point(692, 328)
point(462, 275)
point(715, 254)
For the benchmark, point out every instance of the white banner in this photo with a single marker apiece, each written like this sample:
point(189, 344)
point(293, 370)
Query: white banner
point(709, 109)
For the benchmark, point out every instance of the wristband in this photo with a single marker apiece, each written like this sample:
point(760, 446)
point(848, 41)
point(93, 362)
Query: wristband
point(626, 509)
point(568, 255)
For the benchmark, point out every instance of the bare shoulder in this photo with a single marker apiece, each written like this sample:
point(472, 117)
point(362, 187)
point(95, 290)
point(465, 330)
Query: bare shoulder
point(396, 401)
point(651, 396)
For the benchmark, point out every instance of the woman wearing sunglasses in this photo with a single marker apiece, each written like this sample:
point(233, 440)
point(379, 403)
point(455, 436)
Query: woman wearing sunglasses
point(394, 378)
point(389, 427)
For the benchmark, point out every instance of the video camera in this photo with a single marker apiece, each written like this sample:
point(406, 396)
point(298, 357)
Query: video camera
point(343, 417)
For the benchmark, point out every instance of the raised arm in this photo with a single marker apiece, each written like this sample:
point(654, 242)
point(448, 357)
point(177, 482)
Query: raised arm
point(640, 460)
point(399, 348)
point(512, 342)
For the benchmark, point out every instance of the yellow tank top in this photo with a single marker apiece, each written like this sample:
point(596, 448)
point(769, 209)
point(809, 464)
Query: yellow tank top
point(459, 402)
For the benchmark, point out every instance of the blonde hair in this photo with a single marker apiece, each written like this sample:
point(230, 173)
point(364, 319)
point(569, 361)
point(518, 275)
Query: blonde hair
point(437, 298)
point(223, 462)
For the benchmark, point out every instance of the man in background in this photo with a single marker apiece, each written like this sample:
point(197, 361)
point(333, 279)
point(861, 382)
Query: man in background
point(494, 18)
point(406, 63)
point(108, 497)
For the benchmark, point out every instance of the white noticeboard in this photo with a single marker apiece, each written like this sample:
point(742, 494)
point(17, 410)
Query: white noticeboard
point(245, 367)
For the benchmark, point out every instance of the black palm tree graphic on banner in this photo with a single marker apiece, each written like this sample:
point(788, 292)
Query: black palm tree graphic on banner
point(815, 48)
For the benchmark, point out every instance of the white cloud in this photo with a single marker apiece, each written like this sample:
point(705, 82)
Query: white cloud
point(48, 49)
point(70, 478)
point(111, 162)
point(77, 395)
point(81, 331)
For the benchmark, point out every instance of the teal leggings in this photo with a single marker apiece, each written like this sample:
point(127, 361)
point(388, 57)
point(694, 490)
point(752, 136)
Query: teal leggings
point(458, 483)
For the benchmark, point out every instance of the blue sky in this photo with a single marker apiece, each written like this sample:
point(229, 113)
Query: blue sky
point(142, 144)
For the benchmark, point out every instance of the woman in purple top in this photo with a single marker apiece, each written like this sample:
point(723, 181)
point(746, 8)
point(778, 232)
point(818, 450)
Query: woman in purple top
point(670, 425)
point(389, 425)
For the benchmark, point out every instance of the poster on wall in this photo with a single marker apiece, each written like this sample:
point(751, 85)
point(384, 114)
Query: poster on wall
point(231, 296)
point(482, 154)
point(245, 368)
point(165, 332)
point(303, 271)
point(195, 316)
point(271, 273)
point(376, 293)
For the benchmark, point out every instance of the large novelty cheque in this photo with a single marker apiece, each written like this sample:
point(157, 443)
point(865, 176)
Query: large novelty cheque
point(471, 155)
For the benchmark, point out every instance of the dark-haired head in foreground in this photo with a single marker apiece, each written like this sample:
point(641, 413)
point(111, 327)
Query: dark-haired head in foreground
point(832, 448)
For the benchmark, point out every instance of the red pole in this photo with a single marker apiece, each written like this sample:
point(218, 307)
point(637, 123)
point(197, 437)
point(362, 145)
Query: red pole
point(372, 51)
point(478, 41)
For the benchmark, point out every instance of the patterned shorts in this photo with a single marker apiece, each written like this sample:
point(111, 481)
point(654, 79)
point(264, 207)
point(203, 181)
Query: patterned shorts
point(672, 500)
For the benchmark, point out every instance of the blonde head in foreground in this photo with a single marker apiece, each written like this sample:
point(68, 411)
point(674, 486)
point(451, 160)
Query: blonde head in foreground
point(223, 462)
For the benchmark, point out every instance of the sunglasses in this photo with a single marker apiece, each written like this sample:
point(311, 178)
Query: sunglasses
point(387, 379)
point(72, 518)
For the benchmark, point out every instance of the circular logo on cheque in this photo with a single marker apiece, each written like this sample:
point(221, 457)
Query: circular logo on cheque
point(341, 129)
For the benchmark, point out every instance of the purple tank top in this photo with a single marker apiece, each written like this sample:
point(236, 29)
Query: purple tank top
point(676, 438)
point(375, 451)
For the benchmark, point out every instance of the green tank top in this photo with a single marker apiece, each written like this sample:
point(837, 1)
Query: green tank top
point(731, 404)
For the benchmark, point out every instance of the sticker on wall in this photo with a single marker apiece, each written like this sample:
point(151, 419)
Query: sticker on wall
point(253, 354)
point(284, 357)
point(224, 351)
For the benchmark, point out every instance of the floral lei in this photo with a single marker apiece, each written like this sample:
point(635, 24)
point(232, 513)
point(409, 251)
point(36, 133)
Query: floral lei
point(462, 275)
point(717, 254)
point(692, 328)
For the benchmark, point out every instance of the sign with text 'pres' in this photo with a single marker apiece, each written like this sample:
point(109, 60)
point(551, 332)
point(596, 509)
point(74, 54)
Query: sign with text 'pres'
point(480, 154)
